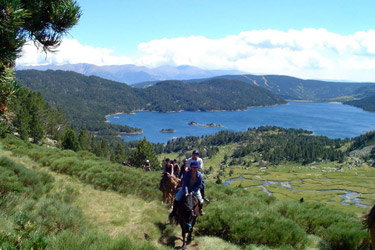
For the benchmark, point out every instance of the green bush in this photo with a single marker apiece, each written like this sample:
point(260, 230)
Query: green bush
point(55, 216)
point(90, 169)
point(16, 178)
point(248, 218)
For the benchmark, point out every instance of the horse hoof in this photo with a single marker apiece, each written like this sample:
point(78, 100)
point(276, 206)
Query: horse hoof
point(184, 247)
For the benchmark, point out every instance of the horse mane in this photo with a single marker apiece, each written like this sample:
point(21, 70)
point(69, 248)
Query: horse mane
point(369, 219)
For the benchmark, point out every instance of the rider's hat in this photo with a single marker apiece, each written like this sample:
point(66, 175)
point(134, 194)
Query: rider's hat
point(196, 152)
point(195, 164)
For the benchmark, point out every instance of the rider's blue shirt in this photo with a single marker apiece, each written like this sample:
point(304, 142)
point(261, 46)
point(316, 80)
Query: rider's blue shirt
point(187, 181)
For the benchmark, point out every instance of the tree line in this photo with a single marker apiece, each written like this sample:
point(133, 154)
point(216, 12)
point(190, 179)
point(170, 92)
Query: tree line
point(270, 143)
point(34, 120)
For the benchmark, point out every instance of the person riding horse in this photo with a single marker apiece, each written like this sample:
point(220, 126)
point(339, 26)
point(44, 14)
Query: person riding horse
point(195, 158)
point(192, 182)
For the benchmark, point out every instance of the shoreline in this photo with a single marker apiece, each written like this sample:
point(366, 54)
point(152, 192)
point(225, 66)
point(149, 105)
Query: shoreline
point(132, 133)
point(183, 110)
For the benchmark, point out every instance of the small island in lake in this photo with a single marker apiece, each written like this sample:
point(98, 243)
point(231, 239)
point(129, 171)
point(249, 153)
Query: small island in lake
point(210, 125)
point(168, 130)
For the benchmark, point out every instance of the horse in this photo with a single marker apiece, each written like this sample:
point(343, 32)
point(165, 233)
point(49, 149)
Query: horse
point(369, 223)
point(186, 215)
point(168, 187)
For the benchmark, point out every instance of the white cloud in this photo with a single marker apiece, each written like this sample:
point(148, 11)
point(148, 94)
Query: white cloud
point(306, 53)
point(70, 51)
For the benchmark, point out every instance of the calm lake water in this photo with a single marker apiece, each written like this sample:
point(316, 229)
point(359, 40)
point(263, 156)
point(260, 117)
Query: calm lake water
point(329, 119)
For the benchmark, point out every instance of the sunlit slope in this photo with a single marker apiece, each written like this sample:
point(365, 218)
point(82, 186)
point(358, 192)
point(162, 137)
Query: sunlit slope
point(118, 201)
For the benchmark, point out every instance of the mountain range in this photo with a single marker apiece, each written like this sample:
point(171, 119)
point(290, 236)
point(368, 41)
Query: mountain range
point(295, 88)
point(131, 74)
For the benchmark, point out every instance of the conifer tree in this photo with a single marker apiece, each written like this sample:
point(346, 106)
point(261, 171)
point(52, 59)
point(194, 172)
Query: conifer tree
point(120, 155)
point(70, 140)
point(105, 150)
point(22, 123)
point(84, 140)
point(143, 152)
point(43, 21)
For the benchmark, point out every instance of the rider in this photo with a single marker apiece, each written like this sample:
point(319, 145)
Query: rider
point(184, 168)
point(195, 157)
point(147, 166)
point(192, 183)
point(168, 167)
point(167, 170)
point(176, 168)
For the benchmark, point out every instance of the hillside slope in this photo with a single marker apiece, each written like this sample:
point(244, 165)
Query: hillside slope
point(86, 100)
point(366, 103)
point(278, 224)
point(291, 87)
point(214, 94)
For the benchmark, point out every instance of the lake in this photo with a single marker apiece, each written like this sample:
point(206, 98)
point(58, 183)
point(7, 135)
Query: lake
point(329, 119)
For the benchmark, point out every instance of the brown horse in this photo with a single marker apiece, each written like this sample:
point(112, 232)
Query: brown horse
point(369, 222)
point(186, 215)
point(168, 187)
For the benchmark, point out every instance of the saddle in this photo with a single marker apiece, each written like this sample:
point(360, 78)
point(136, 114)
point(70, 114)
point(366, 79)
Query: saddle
point(188, 204)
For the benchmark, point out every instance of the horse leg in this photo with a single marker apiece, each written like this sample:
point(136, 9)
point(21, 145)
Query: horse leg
point(372, 234)
point(172, 200)
point(189, 236)
point(191, 231)
point(183, 239)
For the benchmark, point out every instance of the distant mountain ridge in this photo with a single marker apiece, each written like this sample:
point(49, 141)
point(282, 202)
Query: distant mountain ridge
point(131, 74)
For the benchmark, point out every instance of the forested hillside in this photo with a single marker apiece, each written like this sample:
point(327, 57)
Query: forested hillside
point(214, 94)
point(86, 100)
point(272, 144)
point(299, 89)
point(293, 88)
point(366, 103)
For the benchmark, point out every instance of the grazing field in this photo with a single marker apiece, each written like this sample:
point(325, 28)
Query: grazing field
point(342, 186)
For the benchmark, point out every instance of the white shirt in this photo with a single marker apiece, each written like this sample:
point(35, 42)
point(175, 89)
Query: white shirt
point(198, 160)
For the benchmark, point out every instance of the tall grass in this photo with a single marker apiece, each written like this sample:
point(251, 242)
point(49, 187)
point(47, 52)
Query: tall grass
point(37, 218)
point(90, 169)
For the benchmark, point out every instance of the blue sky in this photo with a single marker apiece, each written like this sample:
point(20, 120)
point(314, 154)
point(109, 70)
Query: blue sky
point(309, 39)
point(122, 25)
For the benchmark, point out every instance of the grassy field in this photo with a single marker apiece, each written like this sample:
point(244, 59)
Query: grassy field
point(302, 178)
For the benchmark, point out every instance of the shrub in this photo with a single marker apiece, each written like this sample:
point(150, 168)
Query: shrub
point(248, 218)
